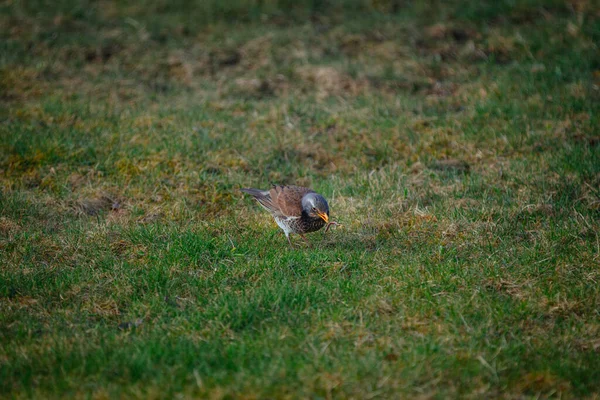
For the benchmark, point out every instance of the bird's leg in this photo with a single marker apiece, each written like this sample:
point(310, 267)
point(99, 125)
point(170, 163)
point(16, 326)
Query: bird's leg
point(305, 239)
point(287, 236)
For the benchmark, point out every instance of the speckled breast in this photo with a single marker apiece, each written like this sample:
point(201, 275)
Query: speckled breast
point(307, 224)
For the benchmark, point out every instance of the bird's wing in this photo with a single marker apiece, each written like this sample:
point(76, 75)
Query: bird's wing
point(264, 199)
point(289, 199)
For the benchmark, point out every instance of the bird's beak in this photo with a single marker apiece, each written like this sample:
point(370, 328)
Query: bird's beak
point(324, 217)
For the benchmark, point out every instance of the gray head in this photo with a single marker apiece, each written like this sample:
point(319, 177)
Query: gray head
point(315, 206)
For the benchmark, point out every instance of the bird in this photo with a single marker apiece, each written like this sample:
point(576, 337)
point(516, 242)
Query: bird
point(296, 209)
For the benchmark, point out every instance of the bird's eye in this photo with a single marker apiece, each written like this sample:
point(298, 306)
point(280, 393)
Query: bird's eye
point(314, 209)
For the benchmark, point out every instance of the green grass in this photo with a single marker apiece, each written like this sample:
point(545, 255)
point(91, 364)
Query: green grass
point(456, 141)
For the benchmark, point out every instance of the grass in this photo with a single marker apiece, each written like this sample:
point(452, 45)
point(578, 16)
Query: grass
point(456, 141)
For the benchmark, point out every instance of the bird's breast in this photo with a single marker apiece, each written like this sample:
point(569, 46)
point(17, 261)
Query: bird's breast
point(309, 224)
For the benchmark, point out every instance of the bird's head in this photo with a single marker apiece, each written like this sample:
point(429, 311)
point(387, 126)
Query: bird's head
point(316, 206)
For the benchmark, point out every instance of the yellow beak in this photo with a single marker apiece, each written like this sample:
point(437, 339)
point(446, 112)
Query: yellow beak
point(324, 217)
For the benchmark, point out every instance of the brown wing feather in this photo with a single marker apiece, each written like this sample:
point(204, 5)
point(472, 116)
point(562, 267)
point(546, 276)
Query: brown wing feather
point(264, 199)
point(289, 199)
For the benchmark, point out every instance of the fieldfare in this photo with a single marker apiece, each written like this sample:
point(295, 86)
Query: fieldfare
point(296, 209)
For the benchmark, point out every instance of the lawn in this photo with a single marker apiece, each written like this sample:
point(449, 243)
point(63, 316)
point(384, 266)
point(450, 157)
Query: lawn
point(456, 141)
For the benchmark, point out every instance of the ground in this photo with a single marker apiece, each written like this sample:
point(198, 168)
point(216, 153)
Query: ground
point(456, 141)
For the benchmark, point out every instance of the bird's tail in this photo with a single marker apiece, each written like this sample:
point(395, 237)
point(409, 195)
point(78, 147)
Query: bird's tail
point(255, 192)
point(263, 197)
